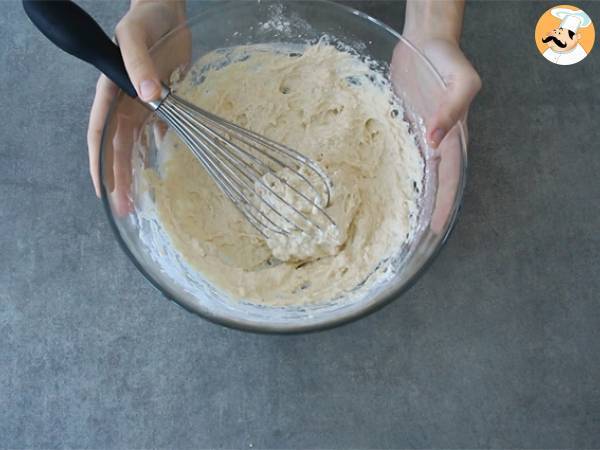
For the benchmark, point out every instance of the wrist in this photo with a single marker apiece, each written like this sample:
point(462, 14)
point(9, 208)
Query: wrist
point(433, 20)
point(176, 6)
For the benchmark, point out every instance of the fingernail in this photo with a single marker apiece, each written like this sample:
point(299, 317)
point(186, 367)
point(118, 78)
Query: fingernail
point(437, 136)
point(148, 89)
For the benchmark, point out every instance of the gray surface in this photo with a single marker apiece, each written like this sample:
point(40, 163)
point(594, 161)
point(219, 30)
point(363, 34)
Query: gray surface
point(497, 345)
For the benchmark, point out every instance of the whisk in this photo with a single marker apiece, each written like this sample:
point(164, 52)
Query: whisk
point(276, 188)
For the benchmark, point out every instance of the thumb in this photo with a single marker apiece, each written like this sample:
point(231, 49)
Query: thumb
point(132, 41)
point(461, 90)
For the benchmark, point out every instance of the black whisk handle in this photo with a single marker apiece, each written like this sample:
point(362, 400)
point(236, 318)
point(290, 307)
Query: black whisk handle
point(73, 30)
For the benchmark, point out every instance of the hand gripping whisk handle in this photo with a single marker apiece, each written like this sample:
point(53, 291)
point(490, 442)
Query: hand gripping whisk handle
point(73, 30)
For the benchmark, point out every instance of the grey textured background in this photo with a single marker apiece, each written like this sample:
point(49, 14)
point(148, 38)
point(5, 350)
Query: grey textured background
point(497, 345)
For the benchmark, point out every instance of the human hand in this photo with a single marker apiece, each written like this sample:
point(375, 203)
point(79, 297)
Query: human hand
point(434, 27)
point(462, 82)
point(440, 109)
point(145, 23)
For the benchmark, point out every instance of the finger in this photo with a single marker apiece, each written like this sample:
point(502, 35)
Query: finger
point(134, 48)
point(105, 91)
point(122, 144)
point(461, 91)
point(448, 170)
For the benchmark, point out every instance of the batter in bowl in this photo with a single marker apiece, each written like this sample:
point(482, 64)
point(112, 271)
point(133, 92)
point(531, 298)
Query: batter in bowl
point(329, 105)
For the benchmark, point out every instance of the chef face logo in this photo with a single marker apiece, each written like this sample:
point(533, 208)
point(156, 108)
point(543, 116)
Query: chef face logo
point(561, 40)
point(564, 35)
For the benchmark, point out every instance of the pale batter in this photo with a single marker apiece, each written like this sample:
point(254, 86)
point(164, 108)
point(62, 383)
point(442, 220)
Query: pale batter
point(327, 104)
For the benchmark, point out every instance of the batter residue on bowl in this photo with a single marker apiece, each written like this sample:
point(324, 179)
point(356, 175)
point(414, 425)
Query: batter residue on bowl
point(329, 105)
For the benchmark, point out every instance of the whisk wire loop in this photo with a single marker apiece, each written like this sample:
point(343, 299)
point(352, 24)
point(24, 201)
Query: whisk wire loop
point(242, 162)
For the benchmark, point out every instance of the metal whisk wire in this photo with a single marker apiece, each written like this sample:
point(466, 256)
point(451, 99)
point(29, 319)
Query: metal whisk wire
point(238, 160)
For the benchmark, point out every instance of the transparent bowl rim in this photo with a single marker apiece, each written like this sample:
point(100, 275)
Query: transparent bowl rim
point(295, 328)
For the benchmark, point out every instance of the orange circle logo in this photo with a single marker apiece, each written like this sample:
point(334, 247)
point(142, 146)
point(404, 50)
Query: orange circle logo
point(565, 35)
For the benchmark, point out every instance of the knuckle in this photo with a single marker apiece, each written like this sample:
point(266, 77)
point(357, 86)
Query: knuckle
point(104, 86)
point(93, 136)
point(476, 81)
point(471, 77)
point(136, 62)
point(100, 85)
point(122, 25)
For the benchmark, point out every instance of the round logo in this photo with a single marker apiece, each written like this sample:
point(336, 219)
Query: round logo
point(565, 35)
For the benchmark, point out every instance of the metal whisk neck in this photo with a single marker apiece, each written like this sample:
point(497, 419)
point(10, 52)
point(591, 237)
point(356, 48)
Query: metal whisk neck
point(164, 93)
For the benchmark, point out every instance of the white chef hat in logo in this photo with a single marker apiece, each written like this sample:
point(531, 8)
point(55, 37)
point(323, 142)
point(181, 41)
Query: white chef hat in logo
point(571, 20)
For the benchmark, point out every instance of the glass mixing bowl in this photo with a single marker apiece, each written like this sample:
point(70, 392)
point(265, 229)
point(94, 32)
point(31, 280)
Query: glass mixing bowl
point(129, 145)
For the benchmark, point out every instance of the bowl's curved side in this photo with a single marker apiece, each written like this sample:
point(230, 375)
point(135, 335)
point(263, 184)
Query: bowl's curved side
point(316, 322)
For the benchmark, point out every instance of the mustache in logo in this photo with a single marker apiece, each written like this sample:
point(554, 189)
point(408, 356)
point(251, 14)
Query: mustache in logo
point(555, 40)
